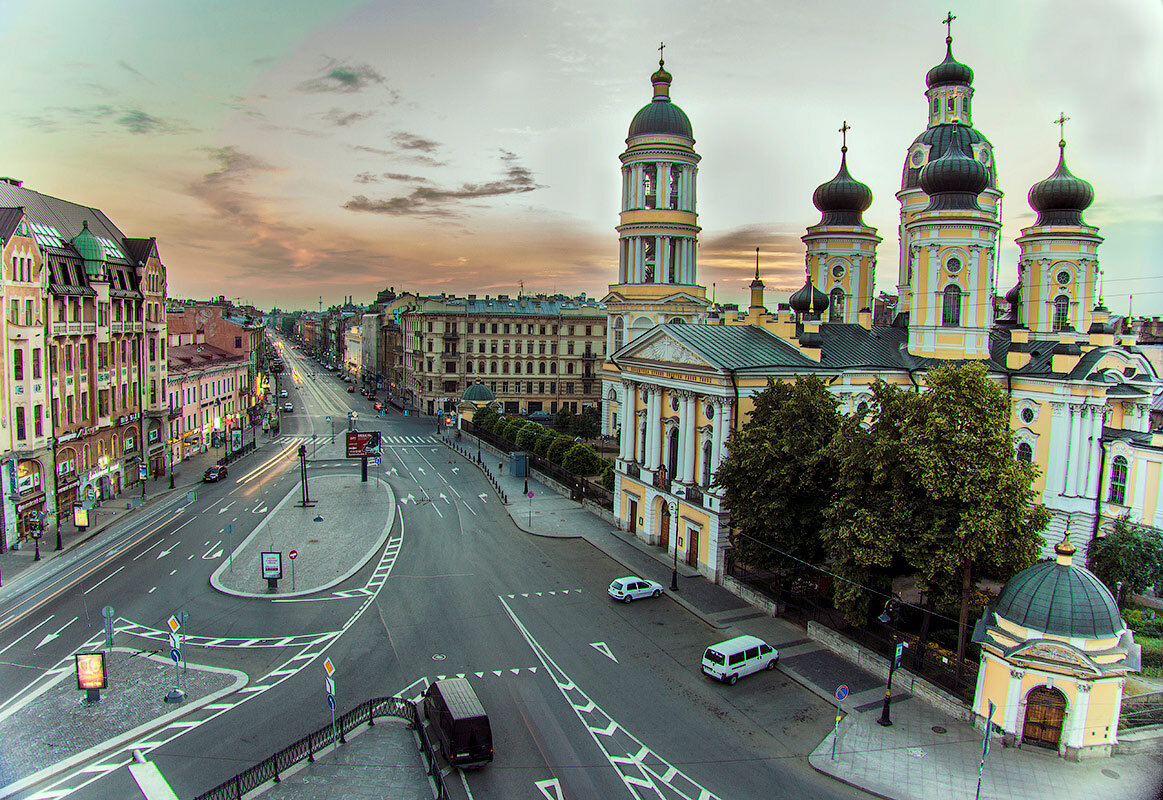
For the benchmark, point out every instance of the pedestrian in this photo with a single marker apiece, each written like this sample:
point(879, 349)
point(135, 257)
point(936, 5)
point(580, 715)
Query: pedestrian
point(501, 467)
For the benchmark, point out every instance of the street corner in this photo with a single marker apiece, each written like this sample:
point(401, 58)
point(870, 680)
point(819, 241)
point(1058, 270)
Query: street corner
point(57, 723)
point(299, 550)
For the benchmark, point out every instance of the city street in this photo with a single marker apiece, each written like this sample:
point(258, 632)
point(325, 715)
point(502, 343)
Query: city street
point(598, 698)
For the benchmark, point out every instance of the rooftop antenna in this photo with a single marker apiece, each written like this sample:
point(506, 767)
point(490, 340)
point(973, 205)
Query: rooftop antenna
point(320, 304)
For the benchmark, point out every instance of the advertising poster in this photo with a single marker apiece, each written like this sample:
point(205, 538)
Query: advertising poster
point(90, 670)
point(80, 516)
point(272, 566)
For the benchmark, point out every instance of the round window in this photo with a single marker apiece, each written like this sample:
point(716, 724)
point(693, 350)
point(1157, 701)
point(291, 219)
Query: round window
point(838, 271)
point(953, 265)
point(1063, 277)
point(710, 411)
point(673, 403)
point(918, 158)
point(1027, 415)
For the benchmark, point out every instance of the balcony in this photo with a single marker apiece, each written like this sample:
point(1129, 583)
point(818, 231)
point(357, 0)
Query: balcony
point(634, 471)
point(62, 328)
point(136, 327)
point(174, 413)
point(589, 355)
point(88, 328)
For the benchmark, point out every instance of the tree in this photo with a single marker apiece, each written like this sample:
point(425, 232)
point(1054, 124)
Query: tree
point(545, 438)
point(558, 448)
point(483, 418)
point(527, 435)
point(1128, 559)
point(582, 460)
point(779, 474)
point(587, 424)
point(563, 419)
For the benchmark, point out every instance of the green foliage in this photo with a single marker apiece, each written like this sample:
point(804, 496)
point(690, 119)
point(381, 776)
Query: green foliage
point(484, 418)
point(779, 474)
point(528, 434)
point(587, 424)
point(563, 420)
point(608, 476)
point(1144, 622)
point(1152, 652)
point(582, 460)
point(558, 448)
point(544, 439)
point(511, 427)
point(1130, 554)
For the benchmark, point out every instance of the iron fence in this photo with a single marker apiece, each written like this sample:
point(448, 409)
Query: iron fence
point(273, 767)
point(1141, 710)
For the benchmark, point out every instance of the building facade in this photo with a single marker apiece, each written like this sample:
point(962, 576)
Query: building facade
point(1080, 388)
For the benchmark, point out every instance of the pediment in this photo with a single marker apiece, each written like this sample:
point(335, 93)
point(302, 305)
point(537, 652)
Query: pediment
point(1041, 652)
point(661, 348)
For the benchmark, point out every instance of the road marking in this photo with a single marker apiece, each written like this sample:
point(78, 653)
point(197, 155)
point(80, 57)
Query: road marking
point(228, 505)
point(483, 497)
point(466, 505)
point(604, 649)
point(49, 637)
point(184, 524)
point(107, 577)
point(172, 571)
point(26, 633)
point(545, 786)
point(437, 510)
point(208, 555)
point(151, 591)
point(151, 547)
point(169, 550)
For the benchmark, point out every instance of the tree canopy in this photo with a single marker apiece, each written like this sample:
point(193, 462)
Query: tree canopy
point(1128, 559)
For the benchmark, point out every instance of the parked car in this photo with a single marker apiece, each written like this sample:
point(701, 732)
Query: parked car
point(213, 474)
point(288, 407)
point(541, 416)
point(633, 588)
point(730, 660)
point(350, 389)
point(282, 392)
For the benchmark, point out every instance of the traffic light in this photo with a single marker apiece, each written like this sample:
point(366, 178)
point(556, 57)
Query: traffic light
point(302, 451)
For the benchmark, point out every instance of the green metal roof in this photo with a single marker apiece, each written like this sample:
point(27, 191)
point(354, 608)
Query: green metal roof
point(478, 393)
point(661, 116)
point(1067, 600)
point(739, 347)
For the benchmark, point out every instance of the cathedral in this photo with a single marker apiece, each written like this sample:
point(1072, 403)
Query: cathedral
point(683, 372)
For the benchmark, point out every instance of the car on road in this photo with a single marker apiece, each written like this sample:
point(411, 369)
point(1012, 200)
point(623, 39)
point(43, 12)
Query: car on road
point(730, 660)
point(282, 392)
point(379, 406)
point(213, 474)
point(633, 588)
point(350, 389)
point(288, 407)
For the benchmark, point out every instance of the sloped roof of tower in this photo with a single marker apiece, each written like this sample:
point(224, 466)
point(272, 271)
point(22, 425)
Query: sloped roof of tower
point(660, 115)
point(1061, 198)
point(843, 199)
point(940, 139)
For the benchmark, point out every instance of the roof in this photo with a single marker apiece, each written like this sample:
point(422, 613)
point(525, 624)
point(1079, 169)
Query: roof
point(55, 222)
point(9, 219)
point(183, 357)
point(461, 700)
point(940, 138)
point(1062, 599)
point(729, 347)
point(660, 115)
point(479, 393)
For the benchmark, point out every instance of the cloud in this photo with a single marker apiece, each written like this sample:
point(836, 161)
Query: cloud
point(377, 150)
point(410, 141)
point(106, 117)
point(134, 72)
point(410, 147)
point(399, 176)
point(344, 79)
point(338, 117)
point(427, 201)
point(729, 257)
point(367, 177)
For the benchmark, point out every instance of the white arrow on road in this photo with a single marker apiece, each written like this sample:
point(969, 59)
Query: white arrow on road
point(392, 471)
point(49, 637)
point(421, 470)
point(455, 470)
point(260, 510)
point(551, 789)
point(167, 552)
point(208, 555)
point(223, 509)
point(443, 497)
point(604, 649)
point(483, 497)
point(411, 498)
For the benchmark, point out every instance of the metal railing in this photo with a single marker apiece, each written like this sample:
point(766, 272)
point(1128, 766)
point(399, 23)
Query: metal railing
point(273, 767)
point(1141, 710)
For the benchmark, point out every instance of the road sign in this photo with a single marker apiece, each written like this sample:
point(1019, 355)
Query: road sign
point(327, 419)
point(90, 493)
point(530, 495)
point(173, 624)
point(377, 461)
point(331, 702)
point(175, 655)
point(173, 641)
point(107, 612)
point(328, 667)
point(841, 692)
point(900, 651)
point(293, 554)
point(329, 686)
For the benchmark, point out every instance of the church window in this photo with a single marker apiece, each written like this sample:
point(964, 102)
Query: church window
point(650, 185)
point(672, 267)
point(953, 265)
point(1064, 278)
point(1026, 453)
point(936, 105)
point(838, 271)
point(1027, 415)
point(1118, 486)
point(951, 105)
point(1061, 312)
point(650, 255)
point(951, 311)
point(836, 306)
point(707, 464)
point(675, 175)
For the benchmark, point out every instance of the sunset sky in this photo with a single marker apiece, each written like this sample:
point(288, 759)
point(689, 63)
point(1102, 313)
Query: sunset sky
point(283, 151)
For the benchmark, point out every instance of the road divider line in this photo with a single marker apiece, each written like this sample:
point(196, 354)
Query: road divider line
point(107, 577)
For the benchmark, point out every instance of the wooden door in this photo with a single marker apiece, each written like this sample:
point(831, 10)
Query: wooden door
point(692, 551)
point(633, 516)
point(1045, 712)
point(664, 527)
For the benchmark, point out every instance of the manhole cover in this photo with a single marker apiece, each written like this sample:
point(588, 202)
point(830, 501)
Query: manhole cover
point(318, 519)
point(939, 729)
point(438, 656)
point(1110, 773)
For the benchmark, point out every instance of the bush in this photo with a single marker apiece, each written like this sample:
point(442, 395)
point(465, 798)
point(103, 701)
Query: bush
point(1152, 652)
point(484, 417)
point(558, 448)
point(1144, 622)
point(527, 435)
point(582, 460)
point(608, 476)
point(510, 428)
point(544, 439)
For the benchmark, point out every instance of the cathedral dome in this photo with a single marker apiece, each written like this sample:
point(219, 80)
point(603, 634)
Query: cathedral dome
point(938, 140)
point(1014, 295)
point(1061, 198)
point(478, 393)
point(843, 199)
point(950, 71)
point(808, 299)
point(1061, 598)
point(954, 180)
point(661, 116)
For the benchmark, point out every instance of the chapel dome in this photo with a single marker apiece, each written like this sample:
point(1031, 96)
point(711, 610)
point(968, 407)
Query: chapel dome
point(660, 115)
point(1061, 198)
point(843, 199)
point(478, 393)
point(950, 71)
point(808, 299)
point(954, 180)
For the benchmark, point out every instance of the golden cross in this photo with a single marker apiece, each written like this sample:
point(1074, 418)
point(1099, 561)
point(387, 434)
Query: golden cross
point(661, 45)
point(1061, 123)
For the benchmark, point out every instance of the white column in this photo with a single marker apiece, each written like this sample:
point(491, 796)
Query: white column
point(1013, 700)
point(1076, 736)
point(724, 431)
point(626, 438)
point(716, 433)
point(663, 185)
point(1092, 478)
point(653, 426)
point(1085, 452)
point(690, 436)
point(662, 270)
point(1072, 452)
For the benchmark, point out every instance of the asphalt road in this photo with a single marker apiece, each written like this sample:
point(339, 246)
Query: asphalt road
point(604, 700)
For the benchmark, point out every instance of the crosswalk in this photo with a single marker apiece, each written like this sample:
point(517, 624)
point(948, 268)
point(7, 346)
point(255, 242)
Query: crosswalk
point(387, 440)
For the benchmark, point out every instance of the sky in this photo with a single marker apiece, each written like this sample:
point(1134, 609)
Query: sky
point(283, 152)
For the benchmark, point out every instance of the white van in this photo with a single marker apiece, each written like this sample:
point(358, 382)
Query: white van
point(728, 661)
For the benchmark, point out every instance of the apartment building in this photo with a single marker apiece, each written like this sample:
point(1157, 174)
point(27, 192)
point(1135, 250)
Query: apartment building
point(207, 396)
point(535, 353)
point(82, 329)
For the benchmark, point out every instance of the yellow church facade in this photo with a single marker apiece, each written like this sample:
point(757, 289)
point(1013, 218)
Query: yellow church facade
point(683, 373)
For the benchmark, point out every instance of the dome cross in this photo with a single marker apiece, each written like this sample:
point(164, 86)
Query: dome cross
point(1061, 123)
point(661, 47)
point(844, 136)
point(949, 26)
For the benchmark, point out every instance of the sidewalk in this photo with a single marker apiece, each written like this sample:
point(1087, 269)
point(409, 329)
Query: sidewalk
point(910, 760)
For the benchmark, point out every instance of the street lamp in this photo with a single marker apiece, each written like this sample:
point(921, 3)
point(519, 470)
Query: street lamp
point(886, 617)
point(674, 569)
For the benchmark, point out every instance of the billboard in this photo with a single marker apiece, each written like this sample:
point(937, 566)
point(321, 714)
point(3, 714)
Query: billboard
point(90, 670)
point(272, 565)
point(363, 444)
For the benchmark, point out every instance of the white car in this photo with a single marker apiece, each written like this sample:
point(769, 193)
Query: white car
point(282, 392)
point(633, 588)
point(288, 407)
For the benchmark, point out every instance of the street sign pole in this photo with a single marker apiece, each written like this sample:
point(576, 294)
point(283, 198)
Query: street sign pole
point(841, 693)
point(985, 747)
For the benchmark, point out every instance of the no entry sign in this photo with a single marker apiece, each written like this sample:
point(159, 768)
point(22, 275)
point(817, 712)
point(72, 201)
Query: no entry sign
point(293, 553)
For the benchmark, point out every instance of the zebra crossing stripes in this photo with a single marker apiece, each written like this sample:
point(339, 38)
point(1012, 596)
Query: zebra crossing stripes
point(407, 440)
point(302, 640)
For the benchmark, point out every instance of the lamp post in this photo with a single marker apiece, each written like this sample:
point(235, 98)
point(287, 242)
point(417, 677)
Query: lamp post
point(887, 617)
point(674, 569)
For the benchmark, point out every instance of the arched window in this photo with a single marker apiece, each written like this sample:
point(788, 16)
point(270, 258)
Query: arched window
point(553, 368)
point(529, 366)
point(836, 306)
point(672, 454)
point(541, 369)
point(1026, 453)
point(707, 464)
point(1118, 490)
point(1061, 312)
point(516, 367)
point(951, 310)
point(493, 367)
point(642, 443)
point(481, 367)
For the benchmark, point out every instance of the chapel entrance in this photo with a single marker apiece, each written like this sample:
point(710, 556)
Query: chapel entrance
point(664, 526)
point(1045, 712)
